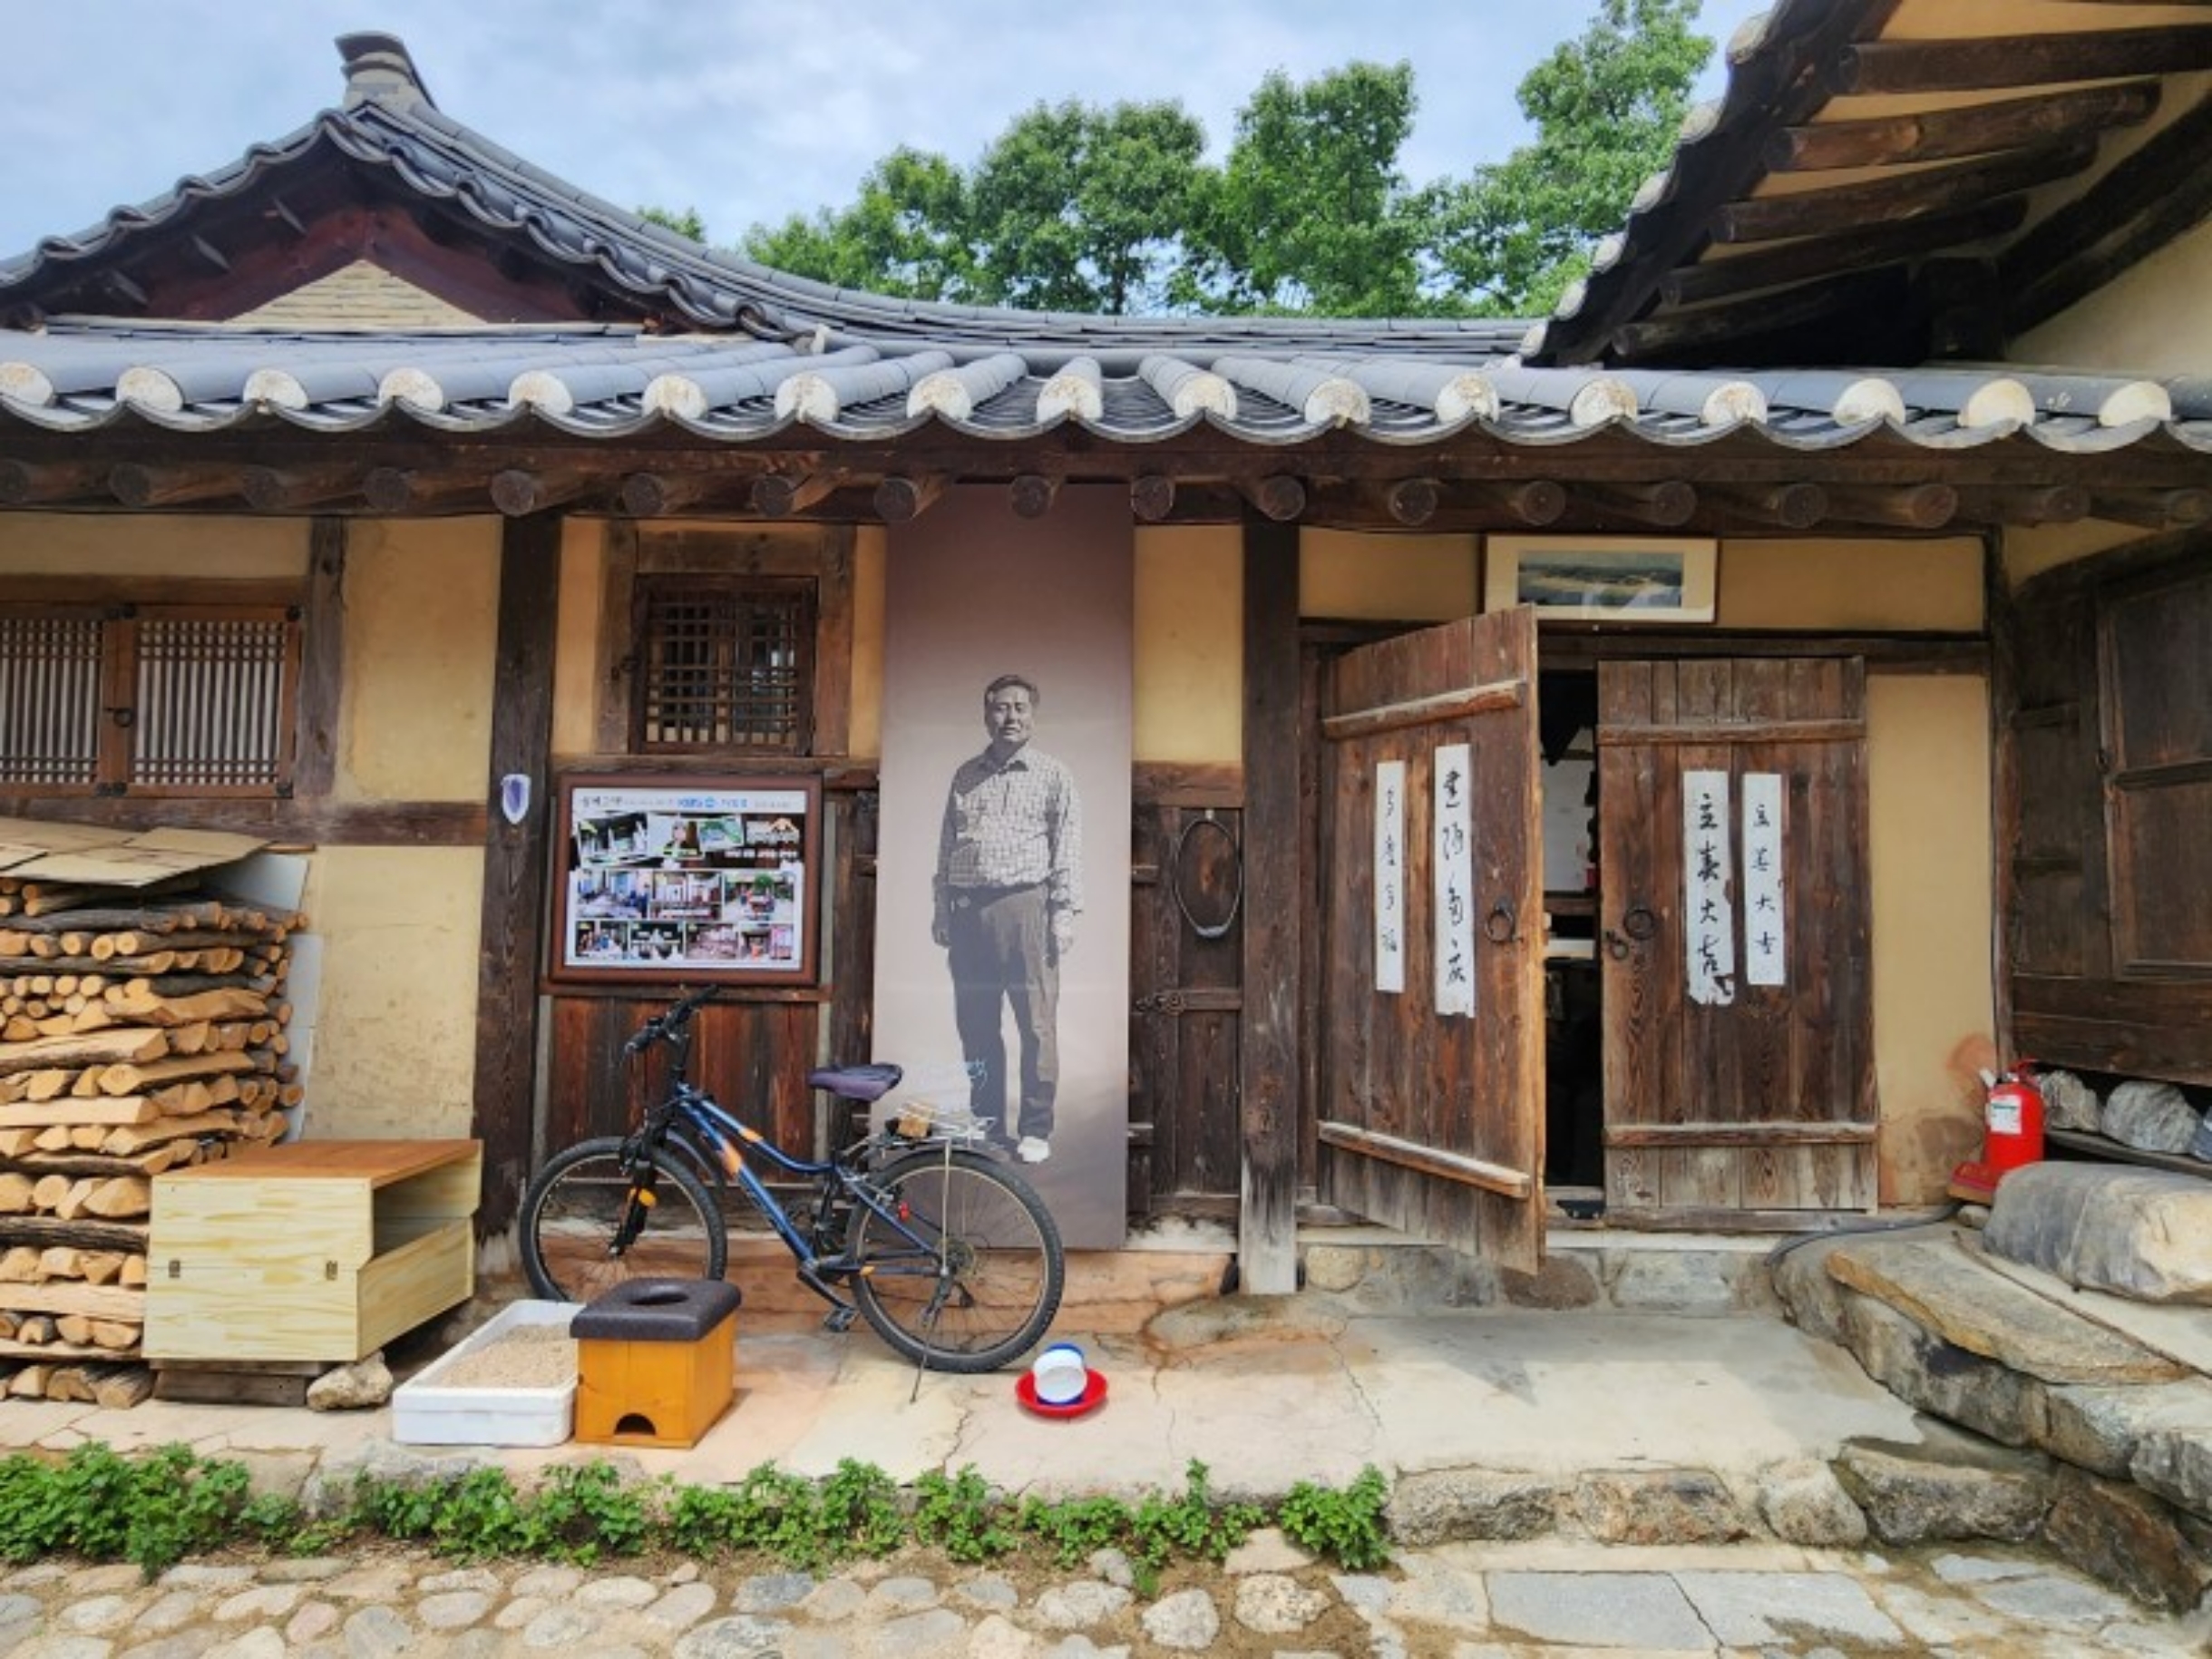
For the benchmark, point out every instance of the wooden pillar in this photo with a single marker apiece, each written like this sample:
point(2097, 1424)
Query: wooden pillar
point(1267, 1030)
point(322, 662)
point(515, 864)
point(2001, 621)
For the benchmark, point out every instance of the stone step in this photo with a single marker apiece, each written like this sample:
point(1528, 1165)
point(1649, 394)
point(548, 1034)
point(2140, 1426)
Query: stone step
point(1943, 1288)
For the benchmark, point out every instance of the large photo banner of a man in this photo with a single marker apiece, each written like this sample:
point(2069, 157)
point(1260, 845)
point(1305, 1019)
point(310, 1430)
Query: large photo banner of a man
point(1002, 865)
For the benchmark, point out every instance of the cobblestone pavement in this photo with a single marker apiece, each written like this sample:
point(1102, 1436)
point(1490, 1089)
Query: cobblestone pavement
point(1460, 1601)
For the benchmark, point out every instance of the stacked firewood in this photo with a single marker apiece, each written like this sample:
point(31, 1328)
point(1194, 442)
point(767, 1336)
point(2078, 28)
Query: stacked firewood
point(138, 1033)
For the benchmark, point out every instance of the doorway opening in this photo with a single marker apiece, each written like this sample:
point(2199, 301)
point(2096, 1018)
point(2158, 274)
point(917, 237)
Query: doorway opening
point(1574, 1023)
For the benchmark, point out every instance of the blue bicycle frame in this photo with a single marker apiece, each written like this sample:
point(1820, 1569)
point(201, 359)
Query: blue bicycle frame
point(722, 1142)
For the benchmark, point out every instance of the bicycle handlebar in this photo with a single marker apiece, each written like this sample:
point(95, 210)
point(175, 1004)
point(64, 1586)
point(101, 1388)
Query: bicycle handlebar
point(665, 1025)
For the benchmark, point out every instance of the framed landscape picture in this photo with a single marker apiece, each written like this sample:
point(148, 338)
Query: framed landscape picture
point(1603, 579)
point(709, 878)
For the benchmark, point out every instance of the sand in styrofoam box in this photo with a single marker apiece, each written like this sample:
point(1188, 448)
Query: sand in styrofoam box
point(443, 1406)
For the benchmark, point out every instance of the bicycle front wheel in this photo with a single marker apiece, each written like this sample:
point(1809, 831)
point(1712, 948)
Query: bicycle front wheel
point(601, 1213)
point(971, 1275)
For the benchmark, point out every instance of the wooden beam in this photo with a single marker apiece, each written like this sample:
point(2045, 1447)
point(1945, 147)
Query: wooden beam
point(1279, 495)
point(900, 499)
point(397, 491)
point(317, 822)
point(649, 495)
point(1536, 504)
point(1412, 501)
point(271, 489)
point(1893, 197)
point(1410, 1155)
point(778, 495)
point(140, 487)
point(1274, 912)
point(1821, 259)
point(1152, 497)
point(1667, 504)
point(1796, 1134)
point(1727, 327)
point(2153, 509)
point(1031, 493)
point(26, 483)
point(1424, 710)
point(1977, 128)
point(2050, 504)
point(511, 945)
point(1911, 506)
point(1790, 506)
point(520, 492)
point(2018, 60)
point(2143, 203)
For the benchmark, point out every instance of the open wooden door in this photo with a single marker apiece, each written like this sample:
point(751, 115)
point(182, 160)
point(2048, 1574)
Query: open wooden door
point(1733, 931)
point(1430, 1115)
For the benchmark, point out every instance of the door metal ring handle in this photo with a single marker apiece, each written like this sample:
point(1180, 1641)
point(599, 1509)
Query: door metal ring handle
point(1616, 947)
point(1640, 923)
point(1500, 913)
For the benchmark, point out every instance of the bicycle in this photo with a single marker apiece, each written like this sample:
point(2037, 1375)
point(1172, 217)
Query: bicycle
point(952, 1257)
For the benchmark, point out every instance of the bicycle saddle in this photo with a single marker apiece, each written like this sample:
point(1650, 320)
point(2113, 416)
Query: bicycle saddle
point(871, 1083)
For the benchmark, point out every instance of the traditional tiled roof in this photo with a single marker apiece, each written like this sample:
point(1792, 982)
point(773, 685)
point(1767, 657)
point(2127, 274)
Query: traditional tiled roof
point(593, 382)
point(767, 353)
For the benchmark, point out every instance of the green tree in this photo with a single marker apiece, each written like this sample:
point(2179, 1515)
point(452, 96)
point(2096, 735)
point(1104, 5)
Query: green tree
point(1311, 213)
point(1076, 208)
point(908, 235)
point(685, 223)
point(1606, 107)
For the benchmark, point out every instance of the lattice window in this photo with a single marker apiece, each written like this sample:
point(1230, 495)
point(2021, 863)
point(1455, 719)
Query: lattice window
point(168, 699)
point(724, 663)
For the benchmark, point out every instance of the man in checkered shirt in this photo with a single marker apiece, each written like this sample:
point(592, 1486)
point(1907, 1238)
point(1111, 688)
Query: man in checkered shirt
point(1009, 885)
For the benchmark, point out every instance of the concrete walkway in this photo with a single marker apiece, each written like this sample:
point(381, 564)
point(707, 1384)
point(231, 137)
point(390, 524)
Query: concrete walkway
point(1265, 1391)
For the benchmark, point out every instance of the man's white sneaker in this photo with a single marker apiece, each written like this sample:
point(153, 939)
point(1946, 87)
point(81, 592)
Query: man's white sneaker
point(1033, 1150)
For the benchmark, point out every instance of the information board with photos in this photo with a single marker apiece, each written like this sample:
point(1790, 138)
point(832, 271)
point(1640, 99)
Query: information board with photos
point(702, 879)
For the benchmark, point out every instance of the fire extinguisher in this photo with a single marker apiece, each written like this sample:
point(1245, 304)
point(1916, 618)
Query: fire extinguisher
point(2012, 1132)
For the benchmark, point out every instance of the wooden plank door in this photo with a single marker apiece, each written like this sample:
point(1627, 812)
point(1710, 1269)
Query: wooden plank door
point(1733, 934)
point(1430, 1109)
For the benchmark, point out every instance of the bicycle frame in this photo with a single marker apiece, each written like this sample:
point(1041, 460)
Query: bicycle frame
point(689, 1109)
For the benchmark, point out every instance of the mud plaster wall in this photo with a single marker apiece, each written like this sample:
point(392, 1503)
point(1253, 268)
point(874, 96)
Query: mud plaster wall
point(1929, 803)
point(395, 1037)
point(168, 549)
point(421, 624)
point(1189, 656)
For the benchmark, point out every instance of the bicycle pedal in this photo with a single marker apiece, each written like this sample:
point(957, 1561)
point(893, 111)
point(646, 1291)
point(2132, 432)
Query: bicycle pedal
point(839, 1320)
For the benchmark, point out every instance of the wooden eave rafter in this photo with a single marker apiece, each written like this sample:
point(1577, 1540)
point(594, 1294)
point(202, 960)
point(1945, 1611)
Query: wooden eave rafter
point(1738, 486)
point(1913, 198)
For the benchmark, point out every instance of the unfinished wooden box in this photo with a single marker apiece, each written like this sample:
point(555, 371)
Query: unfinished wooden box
point(314, 1250)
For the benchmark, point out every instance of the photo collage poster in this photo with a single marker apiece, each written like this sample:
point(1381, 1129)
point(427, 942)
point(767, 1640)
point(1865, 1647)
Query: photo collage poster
point(684, 880)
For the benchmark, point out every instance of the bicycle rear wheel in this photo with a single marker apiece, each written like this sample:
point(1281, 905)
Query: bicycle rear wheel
point(984, 1280)
point(593, 1219)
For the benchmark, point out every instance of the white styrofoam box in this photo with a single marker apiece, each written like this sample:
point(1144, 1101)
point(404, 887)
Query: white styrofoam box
point(426, 1412)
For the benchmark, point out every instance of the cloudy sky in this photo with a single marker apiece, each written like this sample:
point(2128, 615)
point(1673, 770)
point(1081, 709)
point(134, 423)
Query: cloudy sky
point(746, 109)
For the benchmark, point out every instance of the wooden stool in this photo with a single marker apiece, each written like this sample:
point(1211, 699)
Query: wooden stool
point(655, 1361)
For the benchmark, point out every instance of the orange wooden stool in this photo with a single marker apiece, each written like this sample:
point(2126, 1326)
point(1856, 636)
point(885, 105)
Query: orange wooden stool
point(655, 1361)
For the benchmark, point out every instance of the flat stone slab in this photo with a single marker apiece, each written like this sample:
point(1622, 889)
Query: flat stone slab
point(1943, 1289)
point(1636, 1612)
point(1748, 1609)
